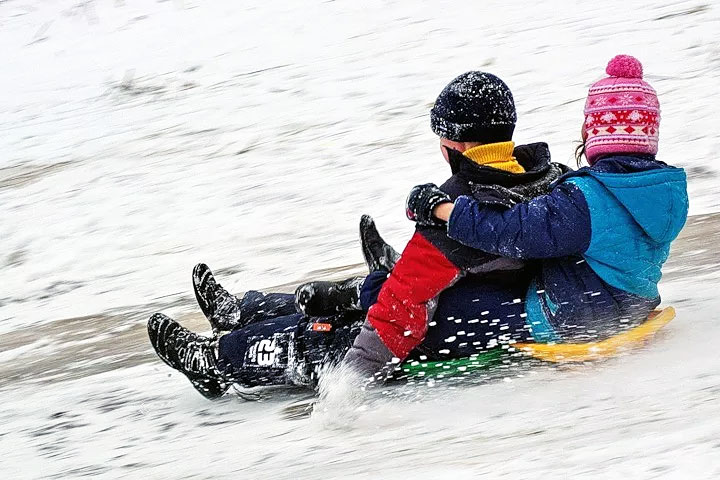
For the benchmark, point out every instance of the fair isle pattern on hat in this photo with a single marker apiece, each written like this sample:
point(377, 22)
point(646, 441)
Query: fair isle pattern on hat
point(622, 112)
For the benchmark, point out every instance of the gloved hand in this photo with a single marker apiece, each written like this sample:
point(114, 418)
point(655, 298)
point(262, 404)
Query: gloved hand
point(422, 201)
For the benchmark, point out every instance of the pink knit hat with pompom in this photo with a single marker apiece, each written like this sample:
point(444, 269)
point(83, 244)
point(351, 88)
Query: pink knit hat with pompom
point(622, 112)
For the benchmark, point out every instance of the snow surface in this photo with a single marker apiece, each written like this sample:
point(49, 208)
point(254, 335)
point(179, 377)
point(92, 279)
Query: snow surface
point(140, 138)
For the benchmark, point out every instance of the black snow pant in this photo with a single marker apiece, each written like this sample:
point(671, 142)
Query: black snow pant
point(282, 347)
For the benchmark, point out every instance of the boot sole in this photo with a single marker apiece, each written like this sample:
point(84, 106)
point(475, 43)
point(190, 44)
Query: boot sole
point(158, 326)
point(202, 276)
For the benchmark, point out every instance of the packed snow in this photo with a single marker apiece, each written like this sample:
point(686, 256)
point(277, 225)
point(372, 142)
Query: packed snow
point(140, 138)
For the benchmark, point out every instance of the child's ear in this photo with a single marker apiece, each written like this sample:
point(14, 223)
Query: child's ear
point(446, 152)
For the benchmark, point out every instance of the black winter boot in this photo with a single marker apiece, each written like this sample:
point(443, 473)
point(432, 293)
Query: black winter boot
point(222, 309)
point(379, 255)
point(321, 299)
point(189, 353)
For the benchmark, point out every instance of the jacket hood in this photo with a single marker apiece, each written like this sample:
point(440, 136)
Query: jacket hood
point(654, 193)
point(534, 158)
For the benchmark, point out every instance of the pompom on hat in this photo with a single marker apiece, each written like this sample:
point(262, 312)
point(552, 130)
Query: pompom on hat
point(622, 112)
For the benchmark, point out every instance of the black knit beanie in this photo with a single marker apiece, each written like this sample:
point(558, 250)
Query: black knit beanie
point(475, 107)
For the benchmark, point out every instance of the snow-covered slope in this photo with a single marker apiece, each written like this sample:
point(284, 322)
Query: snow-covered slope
point(139, 138)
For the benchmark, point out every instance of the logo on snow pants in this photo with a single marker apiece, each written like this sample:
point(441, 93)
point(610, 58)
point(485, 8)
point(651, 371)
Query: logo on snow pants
point(268, 352)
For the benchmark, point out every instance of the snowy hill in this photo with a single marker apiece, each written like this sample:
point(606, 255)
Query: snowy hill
point(140, 138)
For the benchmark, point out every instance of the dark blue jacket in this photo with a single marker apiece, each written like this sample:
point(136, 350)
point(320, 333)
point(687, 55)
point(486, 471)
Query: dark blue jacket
point(432, 262)
point(603, 233)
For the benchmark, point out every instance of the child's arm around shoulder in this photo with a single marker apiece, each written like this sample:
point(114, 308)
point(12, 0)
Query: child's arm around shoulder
point(552, 225)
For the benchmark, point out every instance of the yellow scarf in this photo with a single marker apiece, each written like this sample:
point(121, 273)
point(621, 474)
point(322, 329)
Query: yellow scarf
point(495, 155)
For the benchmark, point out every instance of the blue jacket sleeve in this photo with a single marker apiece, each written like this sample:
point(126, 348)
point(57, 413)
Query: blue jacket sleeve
point(552, 225)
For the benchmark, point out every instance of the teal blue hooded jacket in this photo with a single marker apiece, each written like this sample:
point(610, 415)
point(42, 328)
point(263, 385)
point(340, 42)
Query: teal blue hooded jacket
point(602, 234)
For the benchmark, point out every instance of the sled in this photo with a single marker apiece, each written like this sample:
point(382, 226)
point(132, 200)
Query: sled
point(554, 353)
point(454, 367)
point(583, 352)
point(547, 352)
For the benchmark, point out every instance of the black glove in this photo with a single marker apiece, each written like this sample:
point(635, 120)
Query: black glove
point(422, 201)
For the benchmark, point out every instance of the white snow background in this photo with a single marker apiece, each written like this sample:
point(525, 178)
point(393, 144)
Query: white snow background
point(138, 138)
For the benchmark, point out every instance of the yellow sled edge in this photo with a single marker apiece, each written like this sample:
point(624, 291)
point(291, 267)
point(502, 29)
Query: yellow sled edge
point(583, 352)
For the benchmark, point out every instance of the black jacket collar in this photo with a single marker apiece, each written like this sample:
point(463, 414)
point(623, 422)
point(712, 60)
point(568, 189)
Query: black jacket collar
point(534, 157)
